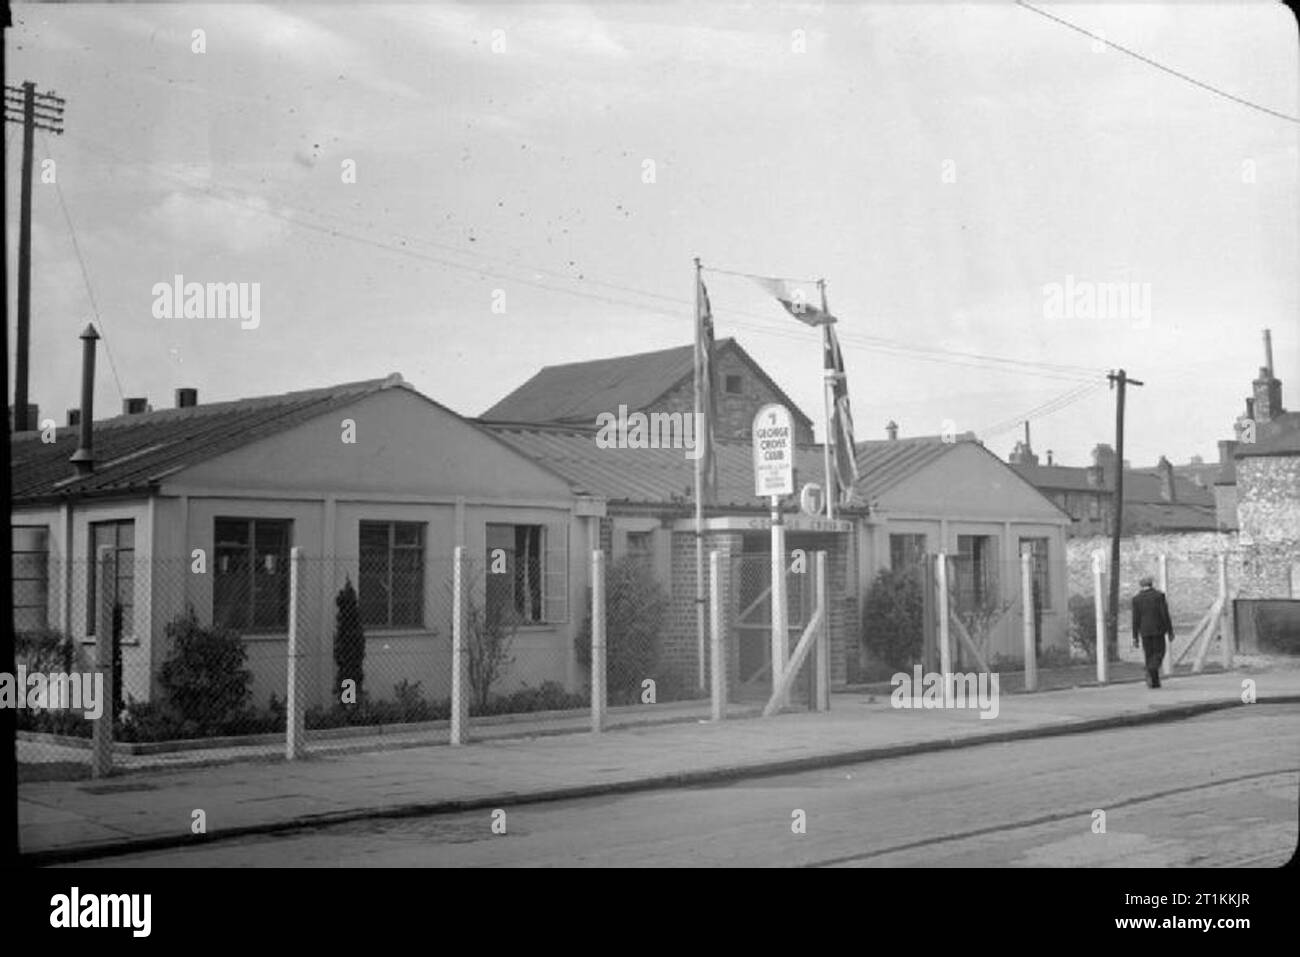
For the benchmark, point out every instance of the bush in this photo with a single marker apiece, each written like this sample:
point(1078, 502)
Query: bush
point(349, 640)
point(204, 682)
point(892, 618)
point(1083, 626)
point(636, 607)
point(47, 650)
point(551, 696)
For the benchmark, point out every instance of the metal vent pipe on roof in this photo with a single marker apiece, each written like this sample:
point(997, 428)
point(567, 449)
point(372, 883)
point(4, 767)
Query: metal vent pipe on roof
point(84, 457)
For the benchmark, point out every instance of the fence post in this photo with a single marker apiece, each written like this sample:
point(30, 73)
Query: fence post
point(1228, 630)
point(1099, 609)
point(597, 641)
point(1027, 606)
point(945, 648)
point(459, 698)
point(294, 713)
point(718, 657)
point(102, 733)
point(824, 639)
point(1167, 663)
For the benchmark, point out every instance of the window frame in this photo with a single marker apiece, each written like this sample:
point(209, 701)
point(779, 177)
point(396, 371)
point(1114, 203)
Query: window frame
point(92, 576)
point(392, 547)
point(43, 577)
point(250, 547)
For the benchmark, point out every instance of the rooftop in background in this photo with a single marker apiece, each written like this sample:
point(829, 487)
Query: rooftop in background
point(134, 452)
point(574, 393)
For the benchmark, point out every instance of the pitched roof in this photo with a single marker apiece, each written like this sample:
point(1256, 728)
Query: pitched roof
point(134, 452)
point(1168, 517)
point(576, 392)
point(1140, 485)
point(884, 463)
point(666, 476)
point(1278, 436)
point(661, 476)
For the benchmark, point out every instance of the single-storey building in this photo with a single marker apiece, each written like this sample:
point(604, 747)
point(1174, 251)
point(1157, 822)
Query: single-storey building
point(375, 482)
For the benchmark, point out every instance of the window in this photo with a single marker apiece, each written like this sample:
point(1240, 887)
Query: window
point(733, 385)
point(250, 584)
point(906, 550)
point(528, 572)
point(641, 546)
point(392, 574)
point(1094, 506)
point(1038, 547)
point(31, 576)
point(976, 570)
point(119, 536)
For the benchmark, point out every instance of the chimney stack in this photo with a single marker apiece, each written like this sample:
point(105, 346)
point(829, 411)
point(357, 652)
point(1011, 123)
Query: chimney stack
point(135, 405)
point(892, 430)
point(1049, 462)
point(187, 398)
point(1166, 469)
point(84, 457)
point(74, 418)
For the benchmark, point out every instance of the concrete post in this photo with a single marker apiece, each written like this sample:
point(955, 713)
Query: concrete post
point(102, 733)
point(597, 641)
point(780, 618)
point(1229, 625)
point(1167, 663)
point(1099, 609)
point(295, 725)
point(945, 648)
point(718, 657)
point(459, 689)
point(824, 639)
point(1027, 612)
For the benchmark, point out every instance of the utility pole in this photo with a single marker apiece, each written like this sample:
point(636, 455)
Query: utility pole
point(44, 111)
point(1112, 614)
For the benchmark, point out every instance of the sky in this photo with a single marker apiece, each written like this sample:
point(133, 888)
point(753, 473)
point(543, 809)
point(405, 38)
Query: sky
point(532, 184)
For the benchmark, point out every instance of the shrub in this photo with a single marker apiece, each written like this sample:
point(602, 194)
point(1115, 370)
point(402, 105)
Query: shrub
point(349, 640)
point(204, 682)
point(550, 696)
point(636, 607)
point(47, 650)
point(892, 618)
point(1083, 626)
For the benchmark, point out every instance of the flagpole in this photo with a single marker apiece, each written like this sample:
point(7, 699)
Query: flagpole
point(699, 489)
point(827, 376)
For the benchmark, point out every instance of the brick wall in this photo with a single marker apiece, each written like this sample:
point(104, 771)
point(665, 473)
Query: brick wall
point(735, 412)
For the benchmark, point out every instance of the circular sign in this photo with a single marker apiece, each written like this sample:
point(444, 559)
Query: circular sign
point(811, 499)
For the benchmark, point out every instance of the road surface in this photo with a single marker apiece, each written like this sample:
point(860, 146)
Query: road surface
point(1217, 790)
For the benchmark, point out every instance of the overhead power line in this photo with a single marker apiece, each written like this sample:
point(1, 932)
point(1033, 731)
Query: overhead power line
point(1159, 66)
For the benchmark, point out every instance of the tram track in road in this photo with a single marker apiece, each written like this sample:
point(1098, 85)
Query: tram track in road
point(1046, 819)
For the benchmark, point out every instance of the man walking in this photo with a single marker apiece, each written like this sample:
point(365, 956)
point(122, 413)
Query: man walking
point(1151, 623)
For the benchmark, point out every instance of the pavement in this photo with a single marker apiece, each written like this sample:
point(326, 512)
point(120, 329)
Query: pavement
point(156, 808)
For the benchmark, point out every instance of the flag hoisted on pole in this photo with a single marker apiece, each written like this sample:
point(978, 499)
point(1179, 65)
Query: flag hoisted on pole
point(706, 461)
point(839, 451)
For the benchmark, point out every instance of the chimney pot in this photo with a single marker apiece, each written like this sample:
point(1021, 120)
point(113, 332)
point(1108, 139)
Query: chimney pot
point(74, 418)
point(134, 405)
point(187, 398)
point(892, 430)
point(1049, 462)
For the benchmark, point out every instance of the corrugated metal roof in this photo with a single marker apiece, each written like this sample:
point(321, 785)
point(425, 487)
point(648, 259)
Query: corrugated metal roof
point(133, 452)
point(666, 476)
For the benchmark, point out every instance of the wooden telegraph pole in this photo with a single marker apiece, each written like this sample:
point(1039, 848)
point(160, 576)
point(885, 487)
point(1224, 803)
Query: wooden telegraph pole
point(1112, 614)
point(33, 111)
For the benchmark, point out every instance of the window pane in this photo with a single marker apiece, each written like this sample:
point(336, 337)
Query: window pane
point(31, 539)
point(407, 533)
point(372, 597)
point(271, 536)
point(231, 532)
point(232, 594)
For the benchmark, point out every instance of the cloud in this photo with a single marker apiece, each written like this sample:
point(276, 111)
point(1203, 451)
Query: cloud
point(234, 224)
